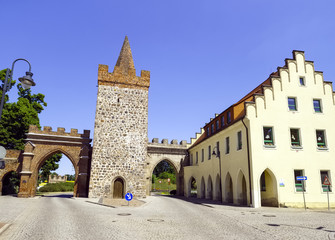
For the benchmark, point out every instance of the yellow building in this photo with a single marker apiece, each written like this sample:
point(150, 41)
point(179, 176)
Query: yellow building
point(281, 130)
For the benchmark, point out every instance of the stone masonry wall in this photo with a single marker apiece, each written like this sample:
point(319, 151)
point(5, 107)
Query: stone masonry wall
point(120, 140)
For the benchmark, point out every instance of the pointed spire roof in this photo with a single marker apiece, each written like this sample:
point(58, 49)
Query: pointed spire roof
point(125, 60)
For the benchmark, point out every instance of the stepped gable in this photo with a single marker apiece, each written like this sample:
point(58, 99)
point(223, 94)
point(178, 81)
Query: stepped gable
point(238, 110)
point(124, 73)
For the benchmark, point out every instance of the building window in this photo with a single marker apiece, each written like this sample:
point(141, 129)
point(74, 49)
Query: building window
point(302, 81)
point(212, 128)
point(292, 106)
point(202, 155)
point(325, 177)
point(222, 121)
point(320, 139)
point(228, 117)
point(295, 137)
point(208, 132)
point(217, 125)
point(299, 184)
point(217, 149)
point(317, 105)
point(196, 158)
point(209, 152)
point(239, 140)
point(268, 136)
point(227, 145)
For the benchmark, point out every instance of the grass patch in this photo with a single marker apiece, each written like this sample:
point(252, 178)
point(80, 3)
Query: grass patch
point(58, 187)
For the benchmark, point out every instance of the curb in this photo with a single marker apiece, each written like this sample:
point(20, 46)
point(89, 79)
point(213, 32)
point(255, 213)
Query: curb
point(4, 228)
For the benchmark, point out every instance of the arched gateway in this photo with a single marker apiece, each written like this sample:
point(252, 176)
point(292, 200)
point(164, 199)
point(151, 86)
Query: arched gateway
point(41, 144)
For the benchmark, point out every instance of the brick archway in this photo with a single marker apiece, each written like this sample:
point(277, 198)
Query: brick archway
point(41, 144)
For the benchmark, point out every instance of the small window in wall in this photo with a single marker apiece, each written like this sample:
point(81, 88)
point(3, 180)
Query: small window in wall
point(217, 149)
point(228, 117)
point(239, 140)
point(302, 81)
point(222, 121)
point(196, 158)
point(292, 106)
point(317, 105)
point(295, 137)
point(268, 136)
point(212, 128)
point(217, 125)
point(208, 132)
point(202, 155)
point(263, 187)
point(325, 178)
point(320, 139)
point(209, 152)
point(299, 184)
point(227, 145)
point(191, 159)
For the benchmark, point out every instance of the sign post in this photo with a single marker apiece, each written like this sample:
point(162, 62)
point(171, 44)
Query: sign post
point(327, 183)
point(169, 185)
point(303, 179)
point(2, 156)
point(128, 197)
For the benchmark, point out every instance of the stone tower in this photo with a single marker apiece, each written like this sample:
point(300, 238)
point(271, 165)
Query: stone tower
point(120, 132)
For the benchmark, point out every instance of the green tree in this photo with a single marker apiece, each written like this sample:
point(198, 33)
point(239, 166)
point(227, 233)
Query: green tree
point(163, 166)
point(70, 177)
point(51, 164)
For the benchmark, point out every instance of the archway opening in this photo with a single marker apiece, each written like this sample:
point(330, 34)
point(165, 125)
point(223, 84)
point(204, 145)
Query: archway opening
point(118, 188)
point(242, 189)
point(218, 193)
point(192, 187)
point(268, 189)
point(209, 188)
point(203, 188)
point(164, 179)
point(229, 189)
point(56, 173)
point(10, 183)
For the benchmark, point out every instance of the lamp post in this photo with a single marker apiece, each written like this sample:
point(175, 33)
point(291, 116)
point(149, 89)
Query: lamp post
point(26, 81)
point(217, 154)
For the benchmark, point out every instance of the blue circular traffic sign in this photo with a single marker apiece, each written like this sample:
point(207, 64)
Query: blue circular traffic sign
point(128, 196)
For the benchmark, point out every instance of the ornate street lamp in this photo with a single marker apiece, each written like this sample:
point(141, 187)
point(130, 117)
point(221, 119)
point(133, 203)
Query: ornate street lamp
point(26, 81)
point(217, 154)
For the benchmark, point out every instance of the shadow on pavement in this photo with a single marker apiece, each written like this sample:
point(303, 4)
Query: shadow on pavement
point(59, 195)
point(202, 201)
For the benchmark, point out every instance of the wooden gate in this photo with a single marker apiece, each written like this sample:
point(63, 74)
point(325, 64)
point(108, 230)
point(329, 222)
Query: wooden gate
point(118, 188)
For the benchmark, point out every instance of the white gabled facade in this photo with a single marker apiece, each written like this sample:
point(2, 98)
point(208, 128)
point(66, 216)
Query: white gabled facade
point(280, 120)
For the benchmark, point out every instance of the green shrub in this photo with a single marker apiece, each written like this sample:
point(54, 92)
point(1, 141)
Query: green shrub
point(58, 187)
point(166, 175)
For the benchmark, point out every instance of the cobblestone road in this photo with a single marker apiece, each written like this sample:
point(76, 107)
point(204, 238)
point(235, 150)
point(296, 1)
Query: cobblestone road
point(62, 217)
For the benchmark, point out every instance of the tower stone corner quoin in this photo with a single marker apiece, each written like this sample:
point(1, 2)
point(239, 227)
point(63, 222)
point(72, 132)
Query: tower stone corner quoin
point(120, 131)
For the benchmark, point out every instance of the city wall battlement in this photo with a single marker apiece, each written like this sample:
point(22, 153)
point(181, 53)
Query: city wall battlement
point(60, 131)
point(165, 142)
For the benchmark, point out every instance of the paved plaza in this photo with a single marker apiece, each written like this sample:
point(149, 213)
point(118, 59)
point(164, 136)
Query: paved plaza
point(160, 217)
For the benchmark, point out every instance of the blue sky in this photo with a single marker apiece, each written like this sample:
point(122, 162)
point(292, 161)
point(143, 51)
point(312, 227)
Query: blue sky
point(203, 55)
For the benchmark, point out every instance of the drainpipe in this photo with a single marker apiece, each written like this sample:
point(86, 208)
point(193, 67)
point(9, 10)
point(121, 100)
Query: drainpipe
point(246, 128)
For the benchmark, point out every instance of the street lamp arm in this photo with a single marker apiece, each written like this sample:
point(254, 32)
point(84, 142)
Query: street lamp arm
point(22, 60)
point(217, 154)
point(12, 71)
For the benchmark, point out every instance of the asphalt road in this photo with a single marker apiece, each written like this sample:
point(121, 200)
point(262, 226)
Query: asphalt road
point(63, 217)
